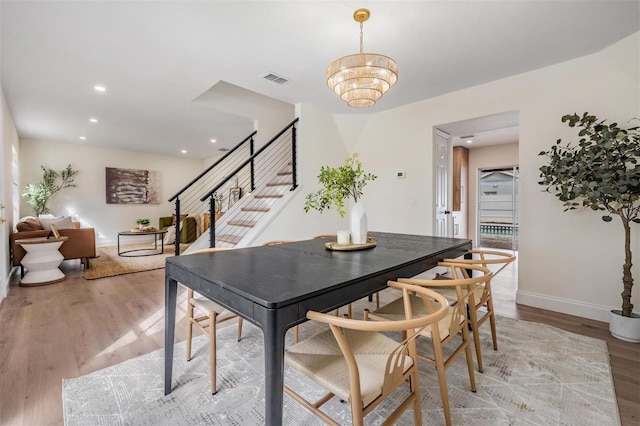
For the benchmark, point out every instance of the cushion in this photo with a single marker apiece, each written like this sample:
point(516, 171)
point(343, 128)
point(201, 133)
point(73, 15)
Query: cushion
point(61, 222)
point(28, 224)
point(170, 236)
point(173, 218)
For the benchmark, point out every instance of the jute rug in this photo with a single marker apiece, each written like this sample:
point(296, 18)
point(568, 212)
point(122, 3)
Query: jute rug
point(108, 263)
point(539, 376)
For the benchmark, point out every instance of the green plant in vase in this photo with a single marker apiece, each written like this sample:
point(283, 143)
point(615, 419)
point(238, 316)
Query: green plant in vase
point(339, 184)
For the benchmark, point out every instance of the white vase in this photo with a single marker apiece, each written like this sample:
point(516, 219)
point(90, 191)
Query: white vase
point(625, 328)
point(358, 219)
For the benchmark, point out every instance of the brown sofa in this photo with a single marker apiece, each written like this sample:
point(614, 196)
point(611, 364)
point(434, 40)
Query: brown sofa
point(80, 245)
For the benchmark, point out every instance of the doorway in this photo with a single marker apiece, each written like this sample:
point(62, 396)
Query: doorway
point(497, 224)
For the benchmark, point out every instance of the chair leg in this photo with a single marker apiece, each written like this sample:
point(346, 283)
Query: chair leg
point(212, 350)
point(415, 388)
point(378, 300)
point(295, 334)
point(492, 321)
point(473, 316)
point(442, 379)
point(469, 356)
point(189, 330)
point(239, 328)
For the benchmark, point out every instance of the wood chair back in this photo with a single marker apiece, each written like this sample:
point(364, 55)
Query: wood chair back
point(401, 363)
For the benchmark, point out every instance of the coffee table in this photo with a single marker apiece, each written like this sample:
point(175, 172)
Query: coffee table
point(42, 260)
point(150, 251)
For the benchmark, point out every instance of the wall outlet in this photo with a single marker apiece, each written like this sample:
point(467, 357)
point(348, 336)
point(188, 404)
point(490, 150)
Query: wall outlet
point(400, 175)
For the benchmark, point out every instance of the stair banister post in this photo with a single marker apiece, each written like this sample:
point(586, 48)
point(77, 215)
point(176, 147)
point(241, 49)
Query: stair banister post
point(253, 179)
point(293, 158)
point(212, 221)
point(177, 241)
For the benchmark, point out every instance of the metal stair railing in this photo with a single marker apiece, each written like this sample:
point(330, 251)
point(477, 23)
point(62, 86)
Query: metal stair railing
point(263, 176)
point(187, 198)
point(240, 171)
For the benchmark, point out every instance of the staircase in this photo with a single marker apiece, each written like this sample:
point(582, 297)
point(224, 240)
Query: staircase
point(251, 215)
point(266, 180)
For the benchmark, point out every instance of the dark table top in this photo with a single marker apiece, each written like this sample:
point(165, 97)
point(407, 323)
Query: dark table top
point(280, 275)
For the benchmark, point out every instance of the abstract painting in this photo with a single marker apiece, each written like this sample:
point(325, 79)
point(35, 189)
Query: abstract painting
point(132, 186)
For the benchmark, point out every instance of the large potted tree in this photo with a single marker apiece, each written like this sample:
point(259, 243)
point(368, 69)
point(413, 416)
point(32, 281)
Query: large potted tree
point(602, 173)
point(52, 181)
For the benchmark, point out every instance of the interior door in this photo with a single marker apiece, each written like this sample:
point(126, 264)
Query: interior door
point(443, 226)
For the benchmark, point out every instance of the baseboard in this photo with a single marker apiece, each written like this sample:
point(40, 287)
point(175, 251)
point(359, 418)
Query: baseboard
point(565, 306)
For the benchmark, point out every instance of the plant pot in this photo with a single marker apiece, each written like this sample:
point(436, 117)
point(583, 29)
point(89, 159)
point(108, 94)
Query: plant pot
point(358, 218)
point(625, 328)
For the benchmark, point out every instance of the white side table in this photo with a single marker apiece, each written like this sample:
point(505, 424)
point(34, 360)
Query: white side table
point(42, 260)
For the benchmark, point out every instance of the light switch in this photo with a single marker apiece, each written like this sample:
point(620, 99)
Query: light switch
point(400, 175)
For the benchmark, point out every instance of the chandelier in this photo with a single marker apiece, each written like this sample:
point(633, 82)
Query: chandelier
point(361, 79)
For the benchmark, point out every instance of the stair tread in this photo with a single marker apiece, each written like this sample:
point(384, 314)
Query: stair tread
point(245, 223)
point(279, 183)
point(268, 196)
point(285, 173)
point(228, 238)
point(255, 209)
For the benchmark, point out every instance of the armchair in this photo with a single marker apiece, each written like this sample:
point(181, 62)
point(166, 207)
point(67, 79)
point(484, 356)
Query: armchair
point(188, 227)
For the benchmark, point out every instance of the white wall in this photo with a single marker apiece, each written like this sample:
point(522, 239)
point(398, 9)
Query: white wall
point(569, 262)
point(319, 144)
point(8, 137)
point(479, 158)
point(87, 200)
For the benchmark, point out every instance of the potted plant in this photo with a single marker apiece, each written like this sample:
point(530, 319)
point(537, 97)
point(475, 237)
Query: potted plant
point(340, 183)
point(142, 223)
point(601, 173)
point(52, 182)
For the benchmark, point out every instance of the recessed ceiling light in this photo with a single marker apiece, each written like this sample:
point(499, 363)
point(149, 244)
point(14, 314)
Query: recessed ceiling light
point(83, 138)
point(468, 138)
point(184, 151)
point(213, 141)
point(93, 120)
point(470, 141)
point(99, 88)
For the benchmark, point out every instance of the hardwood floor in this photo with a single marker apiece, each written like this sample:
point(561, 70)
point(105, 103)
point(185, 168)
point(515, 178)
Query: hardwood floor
point(75, 327)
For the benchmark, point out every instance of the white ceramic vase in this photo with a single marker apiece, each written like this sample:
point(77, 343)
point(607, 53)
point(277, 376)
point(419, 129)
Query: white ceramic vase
point(625, 328)
point(358, 219)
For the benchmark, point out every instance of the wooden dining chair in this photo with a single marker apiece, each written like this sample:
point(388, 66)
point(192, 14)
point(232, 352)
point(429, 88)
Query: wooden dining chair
point(446, 331)
point(354, 361)
point(483, 310)
point(211, 315)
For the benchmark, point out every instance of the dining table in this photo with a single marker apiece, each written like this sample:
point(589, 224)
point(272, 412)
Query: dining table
point(275, 286)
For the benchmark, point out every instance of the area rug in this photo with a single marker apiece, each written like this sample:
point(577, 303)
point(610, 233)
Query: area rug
point(540, 375)
point(109, 264)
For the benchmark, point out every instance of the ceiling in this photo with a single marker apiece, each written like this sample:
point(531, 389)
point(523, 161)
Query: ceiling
point(156, 58)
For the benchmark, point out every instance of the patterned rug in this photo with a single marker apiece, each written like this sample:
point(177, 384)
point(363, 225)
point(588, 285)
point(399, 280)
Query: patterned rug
point(540, 375)
point(108, 263)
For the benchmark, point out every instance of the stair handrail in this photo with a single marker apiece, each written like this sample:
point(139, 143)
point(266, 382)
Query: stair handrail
point(208, 169)
point(250, 159)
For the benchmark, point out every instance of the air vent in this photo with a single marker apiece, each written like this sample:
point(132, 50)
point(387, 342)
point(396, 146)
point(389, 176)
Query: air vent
point(223, 149)
point(276, 78)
